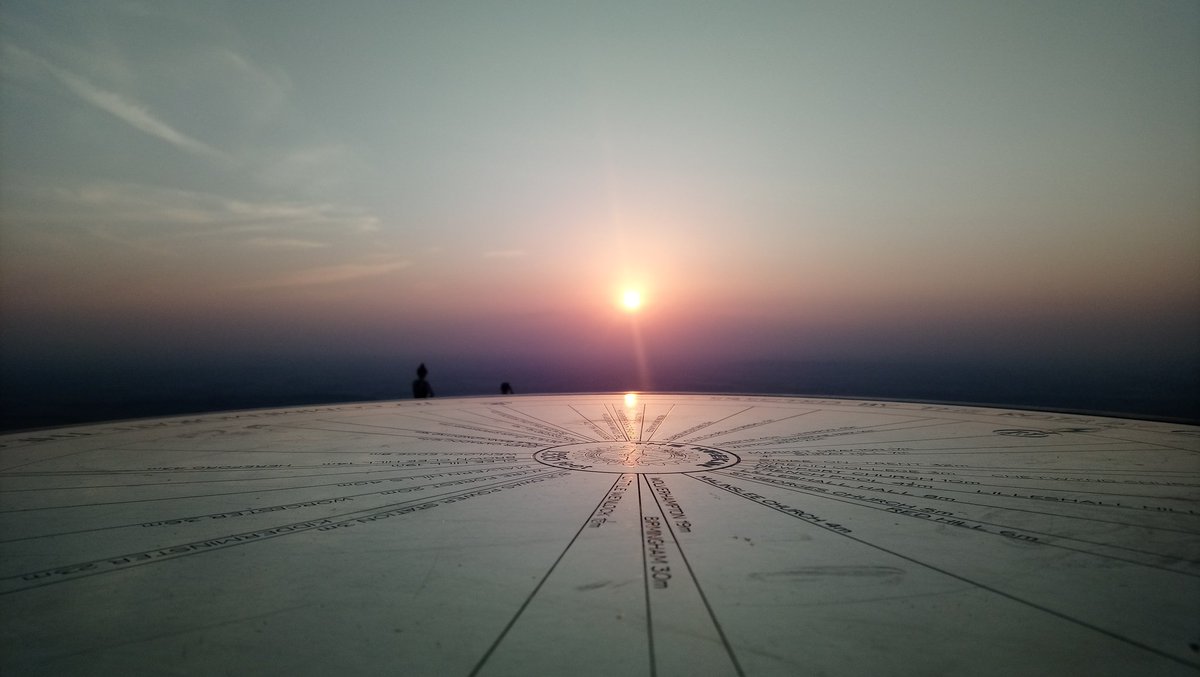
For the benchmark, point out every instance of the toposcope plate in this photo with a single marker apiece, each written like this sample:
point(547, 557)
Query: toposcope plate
point(603, 535)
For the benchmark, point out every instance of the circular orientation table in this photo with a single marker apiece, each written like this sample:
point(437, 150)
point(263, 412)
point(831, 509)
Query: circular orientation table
point(606, 534)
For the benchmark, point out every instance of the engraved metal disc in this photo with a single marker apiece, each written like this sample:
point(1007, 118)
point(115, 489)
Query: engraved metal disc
point(603, 535)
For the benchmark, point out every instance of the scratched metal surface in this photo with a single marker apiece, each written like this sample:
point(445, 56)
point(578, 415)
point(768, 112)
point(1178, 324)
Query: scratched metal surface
point(603, 534)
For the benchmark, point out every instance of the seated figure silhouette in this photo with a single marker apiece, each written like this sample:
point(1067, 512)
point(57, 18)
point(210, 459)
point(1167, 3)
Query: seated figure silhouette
point(506, 389)
point(421, 387)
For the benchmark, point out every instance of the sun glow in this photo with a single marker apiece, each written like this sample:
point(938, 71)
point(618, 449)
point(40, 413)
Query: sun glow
point(631, 300)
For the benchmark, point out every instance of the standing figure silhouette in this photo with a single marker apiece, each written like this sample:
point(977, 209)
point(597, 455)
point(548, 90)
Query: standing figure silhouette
point(421, 387)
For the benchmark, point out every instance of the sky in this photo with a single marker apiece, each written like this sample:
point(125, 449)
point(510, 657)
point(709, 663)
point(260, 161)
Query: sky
point(796, 180)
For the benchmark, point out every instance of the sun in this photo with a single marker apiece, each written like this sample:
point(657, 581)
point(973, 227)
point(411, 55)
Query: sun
point(631, 300)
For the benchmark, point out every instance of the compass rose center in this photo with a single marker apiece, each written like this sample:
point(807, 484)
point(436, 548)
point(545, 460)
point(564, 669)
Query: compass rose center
point(636, 457)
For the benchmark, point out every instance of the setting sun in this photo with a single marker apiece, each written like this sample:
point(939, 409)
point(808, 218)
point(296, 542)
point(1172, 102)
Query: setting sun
point(631, 299)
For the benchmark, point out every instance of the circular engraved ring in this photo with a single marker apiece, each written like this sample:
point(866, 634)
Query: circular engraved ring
point(636, 457)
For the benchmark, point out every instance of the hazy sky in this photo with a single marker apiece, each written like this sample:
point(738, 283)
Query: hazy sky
point(783, 178)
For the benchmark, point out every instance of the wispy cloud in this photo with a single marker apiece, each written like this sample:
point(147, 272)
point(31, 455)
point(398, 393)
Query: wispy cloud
point(329, 274)
point(284, 243)
point(504, 254)
point(129, 112)
point(264, 93)
point(314, 169)
point(172, 212)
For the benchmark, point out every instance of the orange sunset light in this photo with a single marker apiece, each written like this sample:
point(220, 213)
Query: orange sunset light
point(631, 300)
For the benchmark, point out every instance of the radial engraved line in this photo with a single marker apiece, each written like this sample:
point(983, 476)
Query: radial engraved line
point(1030, 445)
point(676, 436)
point(182, 498)
point(664, 419)
point(501, 426)
point(179, 470)
point(973, 451)
point(1061, 546)
point(604, 437)
point(272, 508)
point(263, 509)
point(1092, 471)
point(439, 421)
point(292, 528)
point(1009, 508)
point(55, 458)
point(513, 621)
point(99, 430)
point(858, 430)
point(1001, 593)
point(1111, 435)
point(617, 421)
point(748, 427)
point(646, 581)
point(944, 451)
point(552, 425)
point(624, 421)
point(696, 582)
point(290, 452)
point(276, 478)
point(447, 421)
point(519, 423)
point(960, 471)
point(833, 472)
point(173, 471)
point(440, 427)
point(418, 434)
point(1039, 449)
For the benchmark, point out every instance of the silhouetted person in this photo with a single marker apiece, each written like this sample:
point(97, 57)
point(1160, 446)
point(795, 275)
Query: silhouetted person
point(421, 387)
point(506, 389)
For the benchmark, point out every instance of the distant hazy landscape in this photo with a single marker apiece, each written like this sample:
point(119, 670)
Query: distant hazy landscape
point(39, 395)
